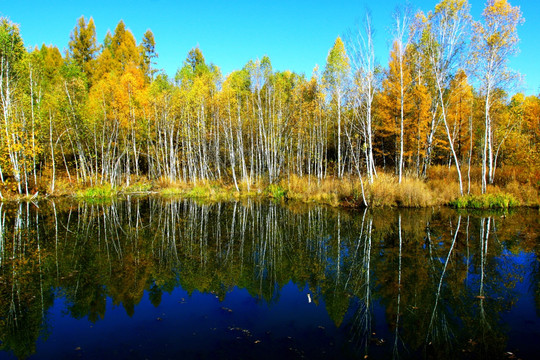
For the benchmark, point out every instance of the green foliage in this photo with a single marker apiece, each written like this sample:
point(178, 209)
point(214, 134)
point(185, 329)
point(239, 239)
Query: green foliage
point(276, 192)
point(239, 80)
point(198, 192)
point(337, 66)
point(11, 43)
point(485, 201)
point(98, 192)
point(148, 53)
point(195, 59)
point(171, 191)
point(11, 47)
point(82, 45)
point(138, 187)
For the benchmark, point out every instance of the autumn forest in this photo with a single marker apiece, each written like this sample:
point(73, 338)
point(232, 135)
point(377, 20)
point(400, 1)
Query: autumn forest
point(441, 120)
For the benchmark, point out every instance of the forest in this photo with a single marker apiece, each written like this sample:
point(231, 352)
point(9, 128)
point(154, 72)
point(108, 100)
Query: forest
point(439, 123)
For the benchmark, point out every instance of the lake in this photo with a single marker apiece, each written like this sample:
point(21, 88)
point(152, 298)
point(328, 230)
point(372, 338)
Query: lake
point(155, 278)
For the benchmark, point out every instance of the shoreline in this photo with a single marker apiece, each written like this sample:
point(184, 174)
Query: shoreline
point(346, 193)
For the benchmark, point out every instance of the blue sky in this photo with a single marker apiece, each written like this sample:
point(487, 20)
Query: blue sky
point(296, 35)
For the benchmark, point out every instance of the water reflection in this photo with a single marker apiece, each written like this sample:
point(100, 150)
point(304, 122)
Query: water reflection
point(420, 283)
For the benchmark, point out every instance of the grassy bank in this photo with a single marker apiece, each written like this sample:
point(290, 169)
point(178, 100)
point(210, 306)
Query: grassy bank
point(440, 189)
point(386, 191)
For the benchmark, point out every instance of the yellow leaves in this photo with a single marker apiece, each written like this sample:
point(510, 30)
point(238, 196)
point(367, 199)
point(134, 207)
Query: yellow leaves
point(451, 6)
point(460, 109)
point(501, 8)
point(121, 98)
point(531, 117)
point(421, 18)
point(497, 35)
point(398, 77)
point(104, 64)
point(22, 147)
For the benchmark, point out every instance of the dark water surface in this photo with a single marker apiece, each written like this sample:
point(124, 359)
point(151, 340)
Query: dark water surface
point(157, 279)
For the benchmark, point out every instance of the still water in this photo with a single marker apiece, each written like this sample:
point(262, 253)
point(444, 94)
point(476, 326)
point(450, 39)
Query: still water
point(155, 278)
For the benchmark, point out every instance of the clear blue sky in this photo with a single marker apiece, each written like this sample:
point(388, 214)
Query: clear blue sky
point(296, 35)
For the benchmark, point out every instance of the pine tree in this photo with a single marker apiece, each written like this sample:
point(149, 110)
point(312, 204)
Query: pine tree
point(82, 45)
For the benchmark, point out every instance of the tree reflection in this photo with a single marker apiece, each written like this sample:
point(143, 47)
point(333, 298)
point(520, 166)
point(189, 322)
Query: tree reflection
point(443, 284)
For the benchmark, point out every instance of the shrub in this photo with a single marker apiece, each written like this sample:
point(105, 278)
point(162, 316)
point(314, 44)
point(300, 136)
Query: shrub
point(414, 192)
point(171, 191)
point(526, 194)
point(276, 192)
point(97, 192)
point(139, 187)
point(198, 192)
point(485, 201)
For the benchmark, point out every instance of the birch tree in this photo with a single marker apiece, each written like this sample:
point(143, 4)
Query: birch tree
point(495, 41)
point(444, 43)
point(402, 37)
point(362, 54)
point(11, 53)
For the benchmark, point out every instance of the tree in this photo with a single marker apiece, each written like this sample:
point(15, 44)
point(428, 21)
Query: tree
point(395, 103)
point(494, 42)
point(531, 123)
point(365, 78)
point(421, 112)
point(148, 54)
point(123, 47)
point(460, 118)
point(82, 45)
point(51, 89)
point(11, 54)
point(402, 38)
point(443, 40)
point(335, 78)
point(195, 59)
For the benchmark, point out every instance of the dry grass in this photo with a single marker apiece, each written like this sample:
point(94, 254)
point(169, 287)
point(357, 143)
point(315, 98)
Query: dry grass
point(526, 194)
point(512, 181)
point(166, 183)
point(387, 191)
point(383, 191)
point(507, 174)
point(414, 192)
point(441, 188)
point(256, 188)
point(327, 191)
point(444, 191)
